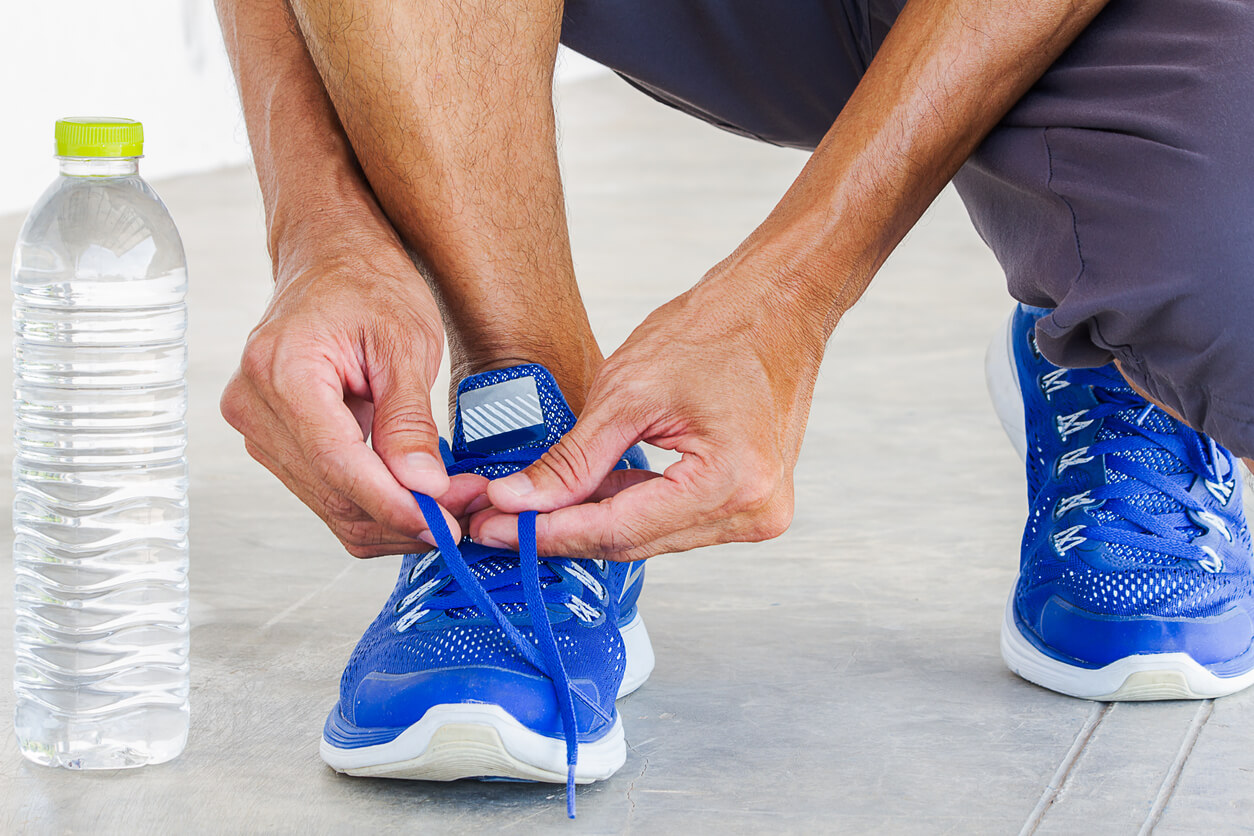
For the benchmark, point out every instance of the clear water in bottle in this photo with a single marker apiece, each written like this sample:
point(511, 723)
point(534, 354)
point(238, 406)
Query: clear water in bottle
point(100, 472)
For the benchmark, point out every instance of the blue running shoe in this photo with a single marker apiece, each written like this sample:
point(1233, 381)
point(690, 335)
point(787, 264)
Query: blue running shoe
point(1135, 576)
point(486, 663)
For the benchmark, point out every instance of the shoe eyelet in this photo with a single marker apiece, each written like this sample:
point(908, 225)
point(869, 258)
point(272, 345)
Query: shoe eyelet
point(1036, 351)
point(1222, 490)
point(1213, 563)
point(408, 620)
point(1212, 522)
point(1053, 381)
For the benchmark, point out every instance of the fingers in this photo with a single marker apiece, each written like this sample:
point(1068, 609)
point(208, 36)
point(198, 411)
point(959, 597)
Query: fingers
point(466, 494)
point(617, 481)
point(649, 516)
point(719, 375)
point(571, 470)
point(332, 444)
point(403, 431)
point(361, 535)
point(346, 352)
point(504, 535)
point(340, 481)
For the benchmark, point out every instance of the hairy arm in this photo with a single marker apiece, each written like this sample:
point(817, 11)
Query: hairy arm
point(310, 181)
point(350, 344)
point(725, 372)
point(947, 73)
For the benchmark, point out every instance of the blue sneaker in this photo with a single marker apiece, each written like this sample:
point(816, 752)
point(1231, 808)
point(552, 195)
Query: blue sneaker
point(487, 663)
point(1135, 576)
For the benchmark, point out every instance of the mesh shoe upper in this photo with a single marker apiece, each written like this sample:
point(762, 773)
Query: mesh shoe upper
point(429, 626)
point(1136, 540)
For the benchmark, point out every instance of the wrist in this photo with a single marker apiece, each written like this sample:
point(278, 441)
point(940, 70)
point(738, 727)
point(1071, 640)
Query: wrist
point(813, 256)
point(315, 200)
point(802, 284)
point(319, 233)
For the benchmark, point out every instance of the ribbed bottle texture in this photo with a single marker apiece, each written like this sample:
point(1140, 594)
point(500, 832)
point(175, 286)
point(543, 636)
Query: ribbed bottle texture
point(100, 473)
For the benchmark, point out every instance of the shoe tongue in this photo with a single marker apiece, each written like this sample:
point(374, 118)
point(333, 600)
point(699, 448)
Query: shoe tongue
point(505, 410)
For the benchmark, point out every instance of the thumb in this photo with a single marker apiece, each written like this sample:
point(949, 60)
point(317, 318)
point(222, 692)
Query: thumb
point(571, 470)
point(405, 437)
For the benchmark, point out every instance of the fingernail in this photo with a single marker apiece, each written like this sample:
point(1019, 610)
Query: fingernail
point(519, 484)
point(427, 537)
point(424, 463)
point(422, 472)
point(492, 543)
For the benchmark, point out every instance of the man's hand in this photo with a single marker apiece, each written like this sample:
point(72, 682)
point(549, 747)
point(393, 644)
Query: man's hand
point(711, 374)
point(349, 348)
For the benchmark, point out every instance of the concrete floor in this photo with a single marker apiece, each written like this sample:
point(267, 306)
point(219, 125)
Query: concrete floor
point(844, 677)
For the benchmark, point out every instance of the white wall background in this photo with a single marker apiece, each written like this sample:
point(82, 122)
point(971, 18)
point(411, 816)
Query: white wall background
point(159, 61)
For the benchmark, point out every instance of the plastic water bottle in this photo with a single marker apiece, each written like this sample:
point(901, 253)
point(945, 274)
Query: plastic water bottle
point(100, 473)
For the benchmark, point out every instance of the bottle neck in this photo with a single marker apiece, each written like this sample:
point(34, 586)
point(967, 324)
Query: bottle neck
point(98, 166)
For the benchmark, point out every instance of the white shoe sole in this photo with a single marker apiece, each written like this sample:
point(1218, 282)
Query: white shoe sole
point(469, 740)
point(465, 740)
point(1152, 676)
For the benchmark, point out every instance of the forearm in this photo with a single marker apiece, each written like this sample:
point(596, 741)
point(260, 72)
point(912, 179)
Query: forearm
point(312, 187)
point(948, 71)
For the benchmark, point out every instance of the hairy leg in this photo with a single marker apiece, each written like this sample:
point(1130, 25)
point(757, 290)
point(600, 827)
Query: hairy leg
point(449, 109)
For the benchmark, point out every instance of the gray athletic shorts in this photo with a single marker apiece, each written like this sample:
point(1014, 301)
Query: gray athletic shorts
point(1119, 191)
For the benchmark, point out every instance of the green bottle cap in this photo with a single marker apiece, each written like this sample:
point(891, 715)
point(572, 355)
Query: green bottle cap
point(99, 136)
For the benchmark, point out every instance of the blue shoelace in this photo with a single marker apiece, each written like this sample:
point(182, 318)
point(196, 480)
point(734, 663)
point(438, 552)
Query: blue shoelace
point(1165, 533)
point(543, 655)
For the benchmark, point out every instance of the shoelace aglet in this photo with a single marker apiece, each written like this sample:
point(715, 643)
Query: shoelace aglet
point(570, 791)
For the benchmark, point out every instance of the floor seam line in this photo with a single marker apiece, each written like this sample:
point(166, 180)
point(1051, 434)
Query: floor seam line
point(1063, 773)
point(1172, 778)
point(304, 600)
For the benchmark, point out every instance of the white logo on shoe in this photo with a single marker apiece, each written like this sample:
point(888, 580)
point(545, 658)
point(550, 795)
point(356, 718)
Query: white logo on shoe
point(1075, 501)
point(1221, 490)
point(500, 408)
